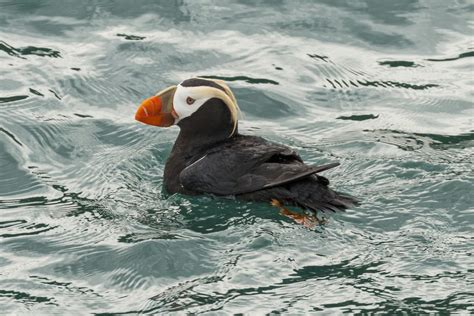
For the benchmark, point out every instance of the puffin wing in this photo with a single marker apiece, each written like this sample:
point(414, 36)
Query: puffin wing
point(246, 165)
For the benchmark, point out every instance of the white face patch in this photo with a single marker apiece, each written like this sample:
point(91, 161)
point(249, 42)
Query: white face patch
point(181, 106)
point(187, 100)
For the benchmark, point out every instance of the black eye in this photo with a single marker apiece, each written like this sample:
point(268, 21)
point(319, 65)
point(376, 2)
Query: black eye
point(190, 100)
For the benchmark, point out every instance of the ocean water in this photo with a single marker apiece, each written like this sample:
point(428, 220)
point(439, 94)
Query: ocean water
point(383, 87)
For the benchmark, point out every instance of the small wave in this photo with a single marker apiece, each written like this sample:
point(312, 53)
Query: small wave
point(465, 140)
point(13, 98)
point(83, 115)
point(397, 84)
point(15, 222)
point(136, 237)
point(29, 50)
point(55, 94)
point(463, 55)
point(345, 77)
point(243, 78)
point(36, 92)
point(12, 137)
point(362, 117)
point(28, 230)
point(65, 285)
point(320, 57)
point(131, 37)
point(27, 298)
point(415, 141)
point(398, 63)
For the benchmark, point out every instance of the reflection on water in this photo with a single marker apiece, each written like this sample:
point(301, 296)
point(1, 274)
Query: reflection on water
point(385, 88)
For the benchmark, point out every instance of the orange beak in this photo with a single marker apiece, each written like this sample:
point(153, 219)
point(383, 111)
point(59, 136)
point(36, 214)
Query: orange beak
point(158, 110)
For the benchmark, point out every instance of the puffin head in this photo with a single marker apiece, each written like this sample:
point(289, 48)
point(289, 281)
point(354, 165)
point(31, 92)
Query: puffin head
point(198, 105)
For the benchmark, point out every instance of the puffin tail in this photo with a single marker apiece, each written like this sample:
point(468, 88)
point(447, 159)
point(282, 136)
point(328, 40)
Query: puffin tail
point(328, 200)
point(344, 201)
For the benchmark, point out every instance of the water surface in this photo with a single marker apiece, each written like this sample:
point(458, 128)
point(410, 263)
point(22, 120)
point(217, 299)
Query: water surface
point(384, 87)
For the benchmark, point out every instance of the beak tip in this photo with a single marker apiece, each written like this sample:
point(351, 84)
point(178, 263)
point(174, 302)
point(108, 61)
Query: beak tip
point(138, 117)
point(141, 114)
point(150, 112)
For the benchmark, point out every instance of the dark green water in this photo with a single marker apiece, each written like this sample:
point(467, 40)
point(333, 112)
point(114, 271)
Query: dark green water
point(384, 87)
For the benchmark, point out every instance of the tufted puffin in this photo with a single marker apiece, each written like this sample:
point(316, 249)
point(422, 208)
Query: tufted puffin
point(210, 156)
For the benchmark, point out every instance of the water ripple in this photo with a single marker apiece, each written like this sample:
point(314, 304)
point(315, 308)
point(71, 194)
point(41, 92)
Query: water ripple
point(385, 89)
point(29, 50)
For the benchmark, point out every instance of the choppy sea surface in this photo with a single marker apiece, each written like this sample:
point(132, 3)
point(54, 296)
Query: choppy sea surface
point(384, 87)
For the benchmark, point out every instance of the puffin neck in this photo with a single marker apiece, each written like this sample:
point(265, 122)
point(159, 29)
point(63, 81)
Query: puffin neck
point(209, 125)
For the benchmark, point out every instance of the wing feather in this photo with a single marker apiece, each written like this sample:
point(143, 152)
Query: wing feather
point(246, 165)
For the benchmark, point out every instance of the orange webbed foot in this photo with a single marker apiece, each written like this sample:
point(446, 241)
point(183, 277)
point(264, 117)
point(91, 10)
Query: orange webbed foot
point(308, 221)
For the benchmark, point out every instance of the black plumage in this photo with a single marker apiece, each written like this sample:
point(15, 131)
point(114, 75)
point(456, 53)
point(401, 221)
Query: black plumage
point(206, 160)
